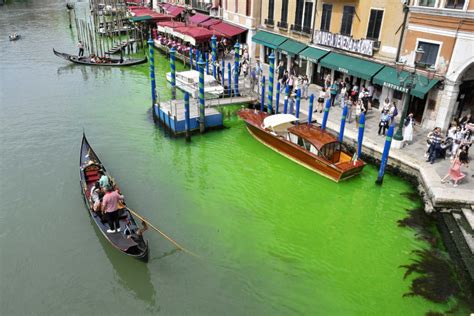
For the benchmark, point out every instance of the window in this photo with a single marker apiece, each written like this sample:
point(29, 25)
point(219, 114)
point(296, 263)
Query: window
point(375, 23)
point(454, 4)
point(271, 4)
point(248, 8)
point(346, 25)
point(236, 4)
point(431, 53)
point(284, 11)
point(427, 3)
point(308, 17)
point(326, 17)
point(299, 13)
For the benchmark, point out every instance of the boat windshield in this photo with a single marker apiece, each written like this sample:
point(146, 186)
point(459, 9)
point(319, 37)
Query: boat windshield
point(331, 151)
point(300, 141)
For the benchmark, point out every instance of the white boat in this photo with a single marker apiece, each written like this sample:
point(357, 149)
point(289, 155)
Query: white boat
point(188, 81)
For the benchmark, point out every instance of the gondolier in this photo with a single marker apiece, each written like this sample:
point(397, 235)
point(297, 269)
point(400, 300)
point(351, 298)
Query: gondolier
point(81, 48)
point(110, 208)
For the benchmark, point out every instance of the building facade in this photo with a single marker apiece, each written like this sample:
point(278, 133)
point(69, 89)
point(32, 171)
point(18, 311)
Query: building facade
point(445, 31)
point(246, 14)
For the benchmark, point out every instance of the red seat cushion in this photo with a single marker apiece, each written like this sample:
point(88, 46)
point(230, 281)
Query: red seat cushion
point(93, 178)
point(91, 173)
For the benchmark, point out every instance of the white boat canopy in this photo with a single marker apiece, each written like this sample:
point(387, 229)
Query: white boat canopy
point(279, 122)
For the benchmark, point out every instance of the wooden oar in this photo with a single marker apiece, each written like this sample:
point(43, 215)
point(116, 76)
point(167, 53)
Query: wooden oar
point(163, 234)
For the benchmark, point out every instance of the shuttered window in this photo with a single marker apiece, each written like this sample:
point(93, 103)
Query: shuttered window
point(271, 4)
point(284, 11)
point(346, 25)
point(326, 17)
point(308, 17)
point(375, 23)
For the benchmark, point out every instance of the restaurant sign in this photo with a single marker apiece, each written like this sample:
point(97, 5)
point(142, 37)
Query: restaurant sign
point(359, 46)
point(395, 87)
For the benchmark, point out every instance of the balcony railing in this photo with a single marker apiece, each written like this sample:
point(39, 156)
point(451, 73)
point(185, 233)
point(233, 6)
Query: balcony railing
point(283, 25)
point(201, 6)
point(269, 22)
point(303, 30)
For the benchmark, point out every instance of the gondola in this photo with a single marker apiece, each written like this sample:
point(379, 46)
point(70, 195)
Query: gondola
point(14, 37)
point(109, 61)
point(129, 240)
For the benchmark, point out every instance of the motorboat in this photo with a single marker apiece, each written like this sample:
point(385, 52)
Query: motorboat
point(188, 81)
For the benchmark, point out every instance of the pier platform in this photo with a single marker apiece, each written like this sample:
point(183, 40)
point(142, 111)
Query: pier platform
point(171, 113)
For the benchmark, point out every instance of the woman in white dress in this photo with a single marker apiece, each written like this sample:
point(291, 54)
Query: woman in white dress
point(408, 130)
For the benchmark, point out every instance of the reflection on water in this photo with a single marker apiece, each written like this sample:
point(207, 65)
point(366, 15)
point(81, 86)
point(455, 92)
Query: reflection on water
point(133, 274)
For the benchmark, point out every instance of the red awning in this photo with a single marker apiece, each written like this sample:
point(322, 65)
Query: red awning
point(172, 24)
point(198, 18)
point(227, 29)
point(200, 34)
point(157, 17)
point(165, 5)
point(209, 22)
point(175, 11)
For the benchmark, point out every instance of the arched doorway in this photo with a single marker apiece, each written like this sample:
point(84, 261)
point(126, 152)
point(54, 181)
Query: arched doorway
point(465, 100)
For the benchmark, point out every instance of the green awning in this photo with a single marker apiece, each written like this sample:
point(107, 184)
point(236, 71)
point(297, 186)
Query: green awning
point(268, 39)
point(351, 65)
point(140, 18)
point(291, 47)
point(388, 77)
point(313, 54)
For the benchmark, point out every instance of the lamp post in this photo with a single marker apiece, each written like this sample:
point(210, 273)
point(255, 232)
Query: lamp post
point(409, 82)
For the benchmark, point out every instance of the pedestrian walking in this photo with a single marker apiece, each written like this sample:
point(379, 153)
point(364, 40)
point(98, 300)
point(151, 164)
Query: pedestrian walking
point(408, 129)
point(333, 92)
point(305, 86)
point(434, 140)
point(383, 124)
point(280, 70)
point(454, 171)
point(321, 99)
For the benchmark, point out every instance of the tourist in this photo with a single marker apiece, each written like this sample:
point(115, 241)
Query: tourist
point(110, 204)
point(386, 105)
point(104, 181)
point(466, 119)
point(280, 70)
point(434, 140)
point(456, 136)
point(370, 91)
point(365, 98)
point(80, 45)
point(291, 82)
point(408, 129)
point(327, 82)
point(333, 92)
point(393, 112)
point(305, 86)
point(384, 121)
point(321, 99)
point(245, 68)
point(258, 69)
point(455, 170)
point(343, 88)
point(359, 109)
point(348, 103)
point(94, 193)
point(97, 206)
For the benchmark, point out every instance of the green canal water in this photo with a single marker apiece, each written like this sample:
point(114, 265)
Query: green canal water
point(274, 238)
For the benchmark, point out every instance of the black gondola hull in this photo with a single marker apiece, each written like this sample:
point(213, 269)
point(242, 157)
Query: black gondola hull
point(87, 61)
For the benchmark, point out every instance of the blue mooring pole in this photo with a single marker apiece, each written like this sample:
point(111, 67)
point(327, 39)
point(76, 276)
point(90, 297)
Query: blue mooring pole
point(360, 138)
point(173, 73)
point(198, 55)
point(298, 101)
point(262, 97)
point(186, 116)
point(271, 60)
point(343, 123)
point(202, 115)
point(191, 58)
point(214, 56)
point(310, 110)
point(223, 73)
point(207, 63)
point(152, 73)
point(229, 79)
point(277, 97)
point(386, 151)
point(236, 68)
point(326, 113)
point(285, 102)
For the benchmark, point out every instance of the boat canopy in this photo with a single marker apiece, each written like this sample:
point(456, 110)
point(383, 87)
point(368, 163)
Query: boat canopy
point(279, 122)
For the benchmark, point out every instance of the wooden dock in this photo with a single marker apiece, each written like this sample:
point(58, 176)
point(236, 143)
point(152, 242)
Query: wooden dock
point(171, 113)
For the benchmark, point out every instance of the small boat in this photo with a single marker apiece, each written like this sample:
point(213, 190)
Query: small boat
point(307, 145)
point(130, 239)
point(104, 61)
point(14, 37)
point(188, 81)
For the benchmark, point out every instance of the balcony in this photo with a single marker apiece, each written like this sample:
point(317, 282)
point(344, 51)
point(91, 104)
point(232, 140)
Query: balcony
point(302, 30)
point(283, 25)
point(201, 6)
point(269, 22)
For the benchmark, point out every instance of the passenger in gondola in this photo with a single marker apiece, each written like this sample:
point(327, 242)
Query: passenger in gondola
point(110, 206)
point(104, 181)
point(94, 193)
point(97, 206)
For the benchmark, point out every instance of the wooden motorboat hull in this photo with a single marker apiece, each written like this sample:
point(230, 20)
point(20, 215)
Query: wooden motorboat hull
point(134, 246)
point(86, 61)
point(303, 157)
